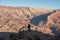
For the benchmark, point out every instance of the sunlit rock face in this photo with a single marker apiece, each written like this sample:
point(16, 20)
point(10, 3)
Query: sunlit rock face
point(54, 22)
point(13, 18)
point(42, 20)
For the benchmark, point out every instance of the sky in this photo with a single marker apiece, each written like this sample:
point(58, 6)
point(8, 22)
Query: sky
point(52, 4)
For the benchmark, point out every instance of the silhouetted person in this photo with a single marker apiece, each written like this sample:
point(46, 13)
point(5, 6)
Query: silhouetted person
point(28, 26)
point(11, 36)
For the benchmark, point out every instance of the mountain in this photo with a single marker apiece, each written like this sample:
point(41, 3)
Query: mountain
point(11, 18)
point(44, 22)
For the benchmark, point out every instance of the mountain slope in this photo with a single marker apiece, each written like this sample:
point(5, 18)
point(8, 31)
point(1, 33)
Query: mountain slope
point(12, 18)
point(54, 22)
point(45, 23)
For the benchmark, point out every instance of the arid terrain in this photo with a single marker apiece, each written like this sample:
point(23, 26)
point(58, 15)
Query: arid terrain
point(45, 23)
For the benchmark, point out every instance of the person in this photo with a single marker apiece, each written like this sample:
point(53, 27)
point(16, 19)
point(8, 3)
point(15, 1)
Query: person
point(29, 27)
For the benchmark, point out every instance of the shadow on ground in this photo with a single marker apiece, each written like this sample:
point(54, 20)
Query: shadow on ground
point(40, 18)
point(27, 35)
point(55, 30)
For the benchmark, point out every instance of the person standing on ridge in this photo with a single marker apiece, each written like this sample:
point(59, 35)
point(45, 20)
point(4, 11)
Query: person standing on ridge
point(27, 23)
point(29, 27)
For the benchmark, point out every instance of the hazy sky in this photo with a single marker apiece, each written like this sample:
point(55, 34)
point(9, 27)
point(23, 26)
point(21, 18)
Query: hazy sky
point(54, 4)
